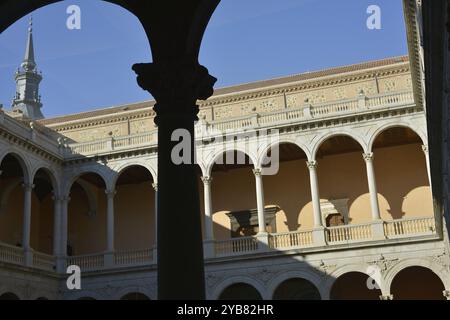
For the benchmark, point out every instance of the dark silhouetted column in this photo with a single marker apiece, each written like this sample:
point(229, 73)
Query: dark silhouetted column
point(176, 85)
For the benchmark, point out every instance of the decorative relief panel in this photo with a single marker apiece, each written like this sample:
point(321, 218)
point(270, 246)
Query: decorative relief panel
point(268, 106)
point(141, 125)
point(369, 89)
point(340, 93)
point(96, 133)
point(293, 101)
point(223, 112)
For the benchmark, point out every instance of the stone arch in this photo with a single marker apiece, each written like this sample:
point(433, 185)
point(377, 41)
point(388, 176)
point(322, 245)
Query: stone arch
point(221, 153)
point(51, 173)
point(418, 262)
point(86, 295)
point(374, 135)
point(76, 175)
point(356, 267)
point(123, 167)
point(134, 289)
point(353, 285)
point(257, 285)
point(307, 275)
point(282, 140)
point(417, 283)
point(9, 296)
point(22, 159)
point(346, 133)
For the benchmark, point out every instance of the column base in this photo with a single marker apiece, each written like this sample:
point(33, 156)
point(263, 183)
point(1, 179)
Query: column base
point(28, 257)
point(155, 254)
point(377, 228)
point(108, 258)
point(387, 297)
point(263, 241)
point(319, 238)
point(209, 249)
point(61, 264)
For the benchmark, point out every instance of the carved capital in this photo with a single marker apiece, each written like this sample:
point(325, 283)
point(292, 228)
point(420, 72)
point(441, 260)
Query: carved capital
point(425, 149)
point(176, 85)
point(368, 156)
point(206, 179)
point(446, 294)
point(155, 186)
point(28, 186)
point(110, 193)
point(257, 172)
point(311, 164)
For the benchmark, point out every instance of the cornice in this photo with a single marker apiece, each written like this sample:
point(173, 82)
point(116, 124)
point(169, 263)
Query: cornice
point(287, 88)
point(29, 146)
point(308, 85)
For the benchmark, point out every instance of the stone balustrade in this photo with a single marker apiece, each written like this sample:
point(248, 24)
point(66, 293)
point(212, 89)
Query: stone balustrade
point(419, 228)
point(248, 122)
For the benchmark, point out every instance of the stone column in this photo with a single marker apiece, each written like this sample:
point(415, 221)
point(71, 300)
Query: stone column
point(62, 255)
point(208, 208)
point(319, 230)
point(176, 84)
point(427, 159)
point(368, 158)
point(377, 223)
point(56, 225)
point(109, 255)
point(26, 228)
point(208, 242)
point(260, 200)
point(312, 166)
point(155, 245)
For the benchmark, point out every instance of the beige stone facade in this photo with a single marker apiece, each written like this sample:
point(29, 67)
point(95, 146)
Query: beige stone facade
point(351, 196)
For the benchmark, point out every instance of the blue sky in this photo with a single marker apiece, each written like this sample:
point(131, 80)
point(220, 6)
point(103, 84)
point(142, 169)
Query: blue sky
point(247, 40)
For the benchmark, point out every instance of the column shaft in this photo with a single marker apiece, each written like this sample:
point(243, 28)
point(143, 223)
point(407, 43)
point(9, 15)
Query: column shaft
point(368, 157)
point(312, 165)
point(260, 200)
point(110, 220)
point(209, 232)
point(26, 216)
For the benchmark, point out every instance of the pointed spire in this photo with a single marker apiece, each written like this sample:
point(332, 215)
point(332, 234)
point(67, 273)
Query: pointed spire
point(28, 63)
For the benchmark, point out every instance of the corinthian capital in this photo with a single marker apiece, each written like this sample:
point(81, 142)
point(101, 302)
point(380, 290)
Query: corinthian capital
point(206, 179)
point(311, 164)
point(176, 84)
point(368, 156)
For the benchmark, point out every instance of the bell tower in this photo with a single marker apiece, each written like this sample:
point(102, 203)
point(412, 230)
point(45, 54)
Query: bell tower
point(27, 100)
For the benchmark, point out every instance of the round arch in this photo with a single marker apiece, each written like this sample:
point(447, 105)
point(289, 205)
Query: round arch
point(9, 296)
point(418, 262)
point(285, 140)
point(240, 291)
point(21, 159)
point(308, 275)
point(355, 267)
point(354, 286)
point(50, 173)
point(373, 137)
point(258, 286)
point(123, 167)
point(134, 290)
point(73, 178)
point(319, 142)
point(417, 283)
point(221, 153)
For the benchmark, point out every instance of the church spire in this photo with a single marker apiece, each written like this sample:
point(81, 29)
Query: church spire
point(27, 100)
point(28, 63)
